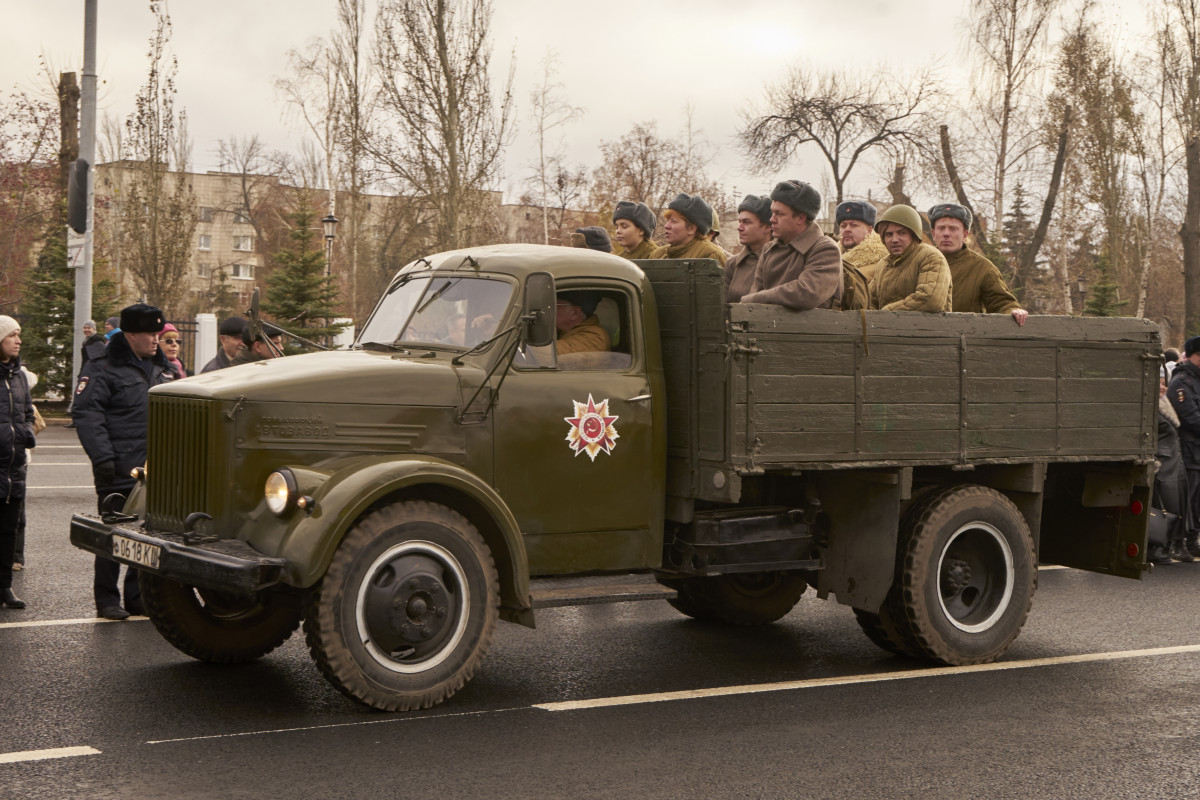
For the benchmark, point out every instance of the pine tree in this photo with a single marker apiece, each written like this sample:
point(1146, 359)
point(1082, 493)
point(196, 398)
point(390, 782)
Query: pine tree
point(49, 315)
point(1102, 299)
point(300, 296)
point(1018, 231)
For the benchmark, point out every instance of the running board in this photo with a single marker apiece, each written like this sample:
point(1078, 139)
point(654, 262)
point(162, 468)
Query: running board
point(550, 595)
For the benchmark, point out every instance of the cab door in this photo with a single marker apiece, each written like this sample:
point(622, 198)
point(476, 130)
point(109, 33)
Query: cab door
point(574, 454)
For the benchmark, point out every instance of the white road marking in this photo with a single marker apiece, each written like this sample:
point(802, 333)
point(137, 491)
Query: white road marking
point(932, 672)
point(42, 755)
point(42, 447)
point(48, 623)
point(61, 464)
point(405, 718)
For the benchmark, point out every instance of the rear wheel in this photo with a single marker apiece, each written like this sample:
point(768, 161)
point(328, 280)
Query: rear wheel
point(966, 576)
point(740, 598)
point(407, 609)
point(216, 627)
point(882, 629)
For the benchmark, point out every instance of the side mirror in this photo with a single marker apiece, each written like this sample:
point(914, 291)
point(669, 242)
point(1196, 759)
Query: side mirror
point(539, 310)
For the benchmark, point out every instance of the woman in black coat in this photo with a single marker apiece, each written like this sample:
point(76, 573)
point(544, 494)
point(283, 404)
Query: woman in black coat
point(16, 436)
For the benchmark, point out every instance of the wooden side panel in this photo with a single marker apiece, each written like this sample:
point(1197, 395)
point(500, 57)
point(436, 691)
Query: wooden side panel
point(812, 388)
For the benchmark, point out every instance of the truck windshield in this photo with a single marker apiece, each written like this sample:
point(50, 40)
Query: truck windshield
point(445, 309)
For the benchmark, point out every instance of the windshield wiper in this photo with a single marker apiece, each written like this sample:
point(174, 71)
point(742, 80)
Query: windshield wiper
point(458, 359)
point(381, 346)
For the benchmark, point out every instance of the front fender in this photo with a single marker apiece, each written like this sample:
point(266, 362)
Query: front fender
point(352, 487)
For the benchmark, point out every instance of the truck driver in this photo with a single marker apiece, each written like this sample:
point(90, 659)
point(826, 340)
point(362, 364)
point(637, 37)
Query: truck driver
point(579, 329)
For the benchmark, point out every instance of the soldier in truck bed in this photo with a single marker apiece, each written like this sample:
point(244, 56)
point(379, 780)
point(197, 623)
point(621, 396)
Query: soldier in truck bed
point(914, 276)
point(978, 285)
point(802, 267)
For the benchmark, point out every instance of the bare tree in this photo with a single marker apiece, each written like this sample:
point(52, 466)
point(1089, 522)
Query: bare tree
point(1180, 33)
point(28, 138)
point(157, 207)
point(549, 111)
point(1008, 38)
point(846, 116)
point(440, 135)
point(332, 88)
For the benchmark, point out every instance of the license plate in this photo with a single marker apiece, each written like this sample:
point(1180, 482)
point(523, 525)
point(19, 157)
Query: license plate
point(135, 552)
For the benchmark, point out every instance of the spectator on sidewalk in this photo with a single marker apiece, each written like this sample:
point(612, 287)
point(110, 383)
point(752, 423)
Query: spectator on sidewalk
point(16, 436)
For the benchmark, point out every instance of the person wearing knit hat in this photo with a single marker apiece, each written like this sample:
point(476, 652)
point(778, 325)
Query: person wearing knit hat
point(16, 436)
point(634, 224)
point(861, 246)
point(802, 267)
point(685, 222)
point(592, 237)
point(1184, 395)
point(915, 275)
point(978, 285)
point(110, 412)
point(171, 343)
point(754, 232)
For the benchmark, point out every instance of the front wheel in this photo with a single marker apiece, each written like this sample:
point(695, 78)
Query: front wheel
point(966, 576)
point(407, 608)
point(216, 627)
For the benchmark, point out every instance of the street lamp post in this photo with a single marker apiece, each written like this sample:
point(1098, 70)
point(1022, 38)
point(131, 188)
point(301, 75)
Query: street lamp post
point(330, 224)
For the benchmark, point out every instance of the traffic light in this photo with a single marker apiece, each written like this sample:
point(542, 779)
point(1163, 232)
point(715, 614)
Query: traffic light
point(77, 195)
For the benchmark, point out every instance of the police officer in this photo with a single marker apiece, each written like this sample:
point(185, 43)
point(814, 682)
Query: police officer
point(110, 412)
point(1184, 394)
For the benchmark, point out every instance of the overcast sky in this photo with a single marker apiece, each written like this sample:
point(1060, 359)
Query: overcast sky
point(624, 62)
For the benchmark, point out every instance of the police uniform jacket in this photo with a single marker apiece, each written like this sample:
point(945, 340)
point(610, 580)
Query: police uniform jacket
point(16, 429)
point(1184, 394)
point(112, 404)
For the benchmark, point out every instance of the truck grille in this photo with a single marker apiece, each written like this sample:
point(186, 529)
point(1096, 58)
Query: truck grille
point(177, 460)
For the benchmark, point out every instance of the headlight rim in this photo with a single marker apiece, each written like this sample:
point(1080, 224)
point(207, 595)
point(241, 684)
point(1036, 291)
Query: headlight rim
point(289, 496)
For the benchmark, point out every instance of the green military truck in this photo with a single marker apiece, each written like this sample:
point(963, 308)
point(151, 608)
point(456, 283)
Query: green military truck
point(398, 498)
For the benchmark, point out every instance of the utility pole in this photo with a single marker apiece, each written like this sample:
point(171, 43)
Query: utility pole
point(87, 152)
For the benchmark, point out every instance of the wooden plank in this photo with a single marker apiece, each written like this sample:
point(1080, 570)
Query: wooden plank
point(1010, 390)
point(910, 389)
point(1009, 415)
point(789, 357)
point(798, 388)
point(999, 442)
point(923, 358)
point(913, 442)
point(910, 417)
point(792, 417)
point(805, 446)
point(1123, 440)
point(1093, 390)
point(1093, 362)
point(1098, 415)
point(987, 360)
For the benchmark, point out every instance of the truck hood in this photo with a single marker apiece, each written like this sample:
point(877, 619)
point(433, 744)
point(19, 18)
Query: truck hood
point(340, 376)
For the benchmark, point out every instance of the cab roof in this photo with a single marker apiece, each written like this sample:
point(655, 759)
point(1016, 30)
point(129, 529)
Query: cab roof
point(520, 260)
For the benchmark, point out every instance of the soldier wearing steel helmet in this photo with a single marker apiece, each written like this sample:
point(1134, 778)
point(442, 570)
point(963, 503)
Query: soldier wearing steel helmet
point(914, 276)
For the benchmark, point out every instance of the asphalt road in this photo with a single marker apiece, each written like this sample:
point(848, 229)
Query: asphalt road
point(1097, 699)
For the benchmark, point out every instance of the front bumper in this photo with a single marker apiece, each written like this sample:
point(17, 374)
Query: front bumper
point(227, 565)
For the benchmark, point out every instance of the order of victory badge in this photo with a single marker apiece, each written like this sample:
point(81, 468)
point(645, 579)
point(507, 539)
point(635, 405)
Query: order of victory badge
point(592, 429)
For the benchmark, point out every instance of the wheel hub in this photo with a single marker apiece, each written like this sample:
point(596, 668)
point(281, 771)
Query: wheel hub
point(956, 576)
point(411, 607)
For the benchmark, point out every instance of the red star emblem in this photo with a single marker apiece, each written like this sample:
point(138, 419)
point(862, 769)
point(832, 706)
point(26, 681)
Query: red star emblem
point(592, 428)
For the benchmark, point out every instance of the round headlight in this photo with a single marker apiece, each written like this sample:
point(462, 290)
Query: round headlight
point(280, 490)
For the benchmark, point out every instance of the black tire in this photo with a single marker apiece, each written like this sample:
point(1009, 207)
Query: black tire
point(882, 629)
point(215, 627)
point(966, 575)
point(740, 598)
point(407, 609)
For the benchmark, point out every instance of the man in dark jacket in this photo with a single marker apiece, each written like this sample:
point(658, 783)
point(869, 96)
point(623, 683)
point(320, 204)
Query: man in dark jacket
point(1184, 394)
point(111, 411)
point(230, 335)
point(16, 436)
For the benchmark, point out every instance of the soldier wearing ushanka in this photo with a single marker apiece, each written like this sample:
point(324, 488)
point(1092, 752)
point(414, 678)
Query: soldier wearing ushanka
point(754, 233)
point(978, 286)
point(861, 246)
point(801, 268)
point(634, 224)
point(685, 223)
